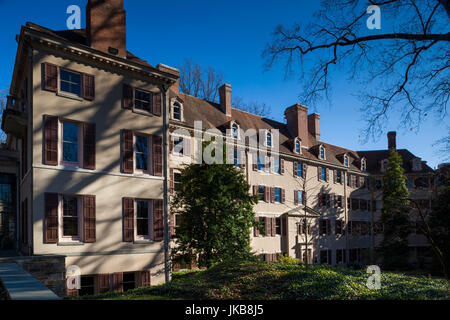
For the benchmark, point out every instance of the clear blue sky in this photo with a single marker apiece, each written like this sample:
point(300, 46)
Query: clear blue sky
point(229, 35)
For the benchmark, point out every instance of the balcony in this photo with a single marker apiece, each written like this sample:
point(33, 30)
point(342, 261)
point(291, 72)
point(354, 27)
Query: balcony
point(14, 120)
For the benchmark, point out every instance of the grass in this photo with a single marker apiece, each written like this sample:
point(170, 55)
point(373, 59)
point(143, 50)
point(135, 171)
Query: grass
point(274, 281)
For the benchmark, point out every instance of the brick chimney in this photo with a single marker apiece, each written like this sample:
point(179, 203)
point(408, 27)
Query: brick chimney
point(106, 26)
point(225, 99)
point(297, 122)
point(314, 125)
point(392, 144)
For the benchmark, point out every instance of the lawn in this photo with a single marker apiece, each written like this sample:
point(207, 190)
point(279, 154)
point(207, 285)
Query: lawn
point(273, 281)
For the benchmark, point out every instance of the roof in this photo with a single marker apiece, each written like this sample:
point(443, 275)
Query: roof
point(79, 36)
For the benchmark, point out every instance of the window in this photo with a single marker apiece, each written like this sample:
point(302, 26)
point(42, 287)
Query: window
point(142, 100)
point(87, 284)
point(142, 219)
point(339, 176)
point(323, 174)
point(177, 181)
point(338, 201)
point(299, 169)
point(278, 226)
point(70, 142)
point(142, 153)
point(363, 165)
point(277, 192)
point(236, 158)
point(276, 165)
point(378, 184)
point(176, 111)
point(346, 161)
point(70, 218)
point(384, 165)
point(322, 153)
point(129, 281)
point(178, 146)
point(325, 256)
point(235, 130)
point(260, 163)
point(340, 256)
point(297, 146)
point(261, 193)
point(269, 139)
point(338, 227)
point(304, 227)
point(70, 82)
point(323, 227)
point(300, 196)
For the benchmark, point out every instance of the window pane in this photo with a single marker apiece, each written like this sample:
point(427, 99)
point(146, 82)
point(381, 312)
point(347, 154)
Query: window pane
point(176, 111)
point(142, 100)
point(142, 218)
point(277, 195)
point(260, 192)
point(70, 142)
point(70, 82)
point(70, 216)
point(141, 152)
point(87, 285)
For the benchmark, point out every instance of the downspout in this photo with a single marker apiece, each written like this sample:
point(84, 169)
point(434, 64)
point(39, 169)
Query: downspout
point(30, 145)
point(347, 254)
point(167, 264)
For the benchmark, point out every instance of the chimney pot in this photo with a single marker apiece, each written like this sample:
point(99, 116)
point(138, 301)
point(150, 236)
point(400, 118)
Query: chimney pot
point(225, 98)
point(392, 144)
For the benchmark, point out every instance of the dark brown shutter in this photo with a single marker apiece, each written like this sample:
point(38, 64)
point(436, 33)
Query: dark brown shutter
point(318, 173)
point(89, 218)
point(172, 224)
point(50, 77)
point(295, 169)
point(88, 87)
point(272, 194)
point(172, 182)
point(158, 220)
point(89, 146)
point(284, 224)
point(158, 156)
point(334, 176)
point(128, 219)
point(328, 227)
point(157, 104)
point(243, 159)
point(128, 99)
point(304, 197)
point(127, 151)
point(50, 140)
point(327, 174)
point(274, 227)
point(118, 281)
point(255, 190)
point(145, 278)
point(103, 280)
point(268, 227)
point(283, 195)
point(170, 144)
point(51, 218)
point(295, 197)
point(304, 170)
point(266, 194)
point(281, 166)
point(256, 229)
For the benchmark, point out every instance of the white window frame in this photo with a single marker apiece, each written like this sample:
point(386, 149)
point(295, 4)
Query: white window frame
point(172, 113)
point(363, 165)
point(271, 138)
point(79, 163)
point(149, 158)
point(324, 153)
point(346, 161)
point(70, 239)
point(237, 137)
point(66, 92)
point(150, 235)
point(297, 141)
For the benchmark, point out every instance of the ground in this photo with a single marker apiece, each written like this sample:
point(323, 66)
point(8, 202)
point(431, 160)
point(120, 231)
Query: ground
point(273, 281)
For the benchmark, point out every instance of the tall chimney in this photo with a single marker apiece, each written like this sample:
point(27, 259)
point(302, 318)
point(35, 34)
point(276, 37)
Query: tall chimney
point(297, 122)
point(392, 144)
point(106, 26)
point(225, 99)
point(314, 125)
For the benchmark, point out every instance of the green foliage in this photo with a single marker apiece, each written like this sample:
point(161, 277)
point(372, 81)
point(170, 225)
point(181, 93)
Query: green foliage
point(285, 260)
point(215, 213)
point(439, 221)
point(395, 215)
point(250, 280)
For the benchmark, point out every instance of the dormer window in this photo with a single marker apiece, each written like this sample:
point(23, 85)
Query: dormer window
point(384, 164)
point(235, 130)
point(416, 164)
point(346, 161)
point(269, 139)
point(322, 152)
point(297, 146)
point(363, 165)
point(176, 113)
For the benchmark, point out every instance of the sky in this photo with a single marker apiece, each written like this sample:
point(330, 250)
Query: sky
point(230, 36)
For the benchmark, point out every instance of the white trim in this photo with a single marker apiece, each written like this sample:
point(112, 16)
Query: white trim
point(149, 237)
point(68, 239)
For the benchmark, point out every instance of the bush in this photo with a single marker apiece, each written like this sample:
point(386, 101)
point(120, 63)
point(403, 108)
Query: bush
point(285, 260)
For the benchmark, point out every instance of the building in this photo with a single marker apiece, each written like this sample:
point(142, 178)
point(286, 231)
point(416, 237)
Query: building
point(94, 159)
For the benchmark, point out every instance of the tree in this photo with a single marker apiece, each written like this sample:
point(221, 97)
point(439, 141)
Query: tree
point(253, 107)
point(199, 82)
point(395, 215)
point(403, 67)
point(439, 222)
point(215, 213)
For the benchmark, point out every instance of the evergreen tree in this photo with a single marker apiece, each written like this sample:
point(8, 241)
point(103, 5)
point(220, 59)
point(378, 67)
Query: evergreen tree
point(395, 215)
point(215, 213)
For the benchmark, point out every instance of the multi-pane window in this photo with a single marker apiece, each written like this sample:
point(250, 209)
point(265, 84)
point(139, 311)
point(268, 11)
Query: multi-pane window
point(70, 82)
point(322, 153)
point(261, 193)
point(70, 217)
point(235, 130)
point(297, 146)
point(177, 181)
point(338, 227)
point(339, 176)
point(363, 165)
point(346, 161)
point(142, 100)
point(142, 153)
point(70, 141)
point(300, 196)
point(129, 281)
point(142, 219)
point(323, 174)
point(260, 163)
point(300, 169)
point(176, 111)
point(276, 165)
point(338, 201)
point(236, 158)
point(87, 286)
point(277, 192)
point(269, 139)
point(178, 145)
point(278, 226)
